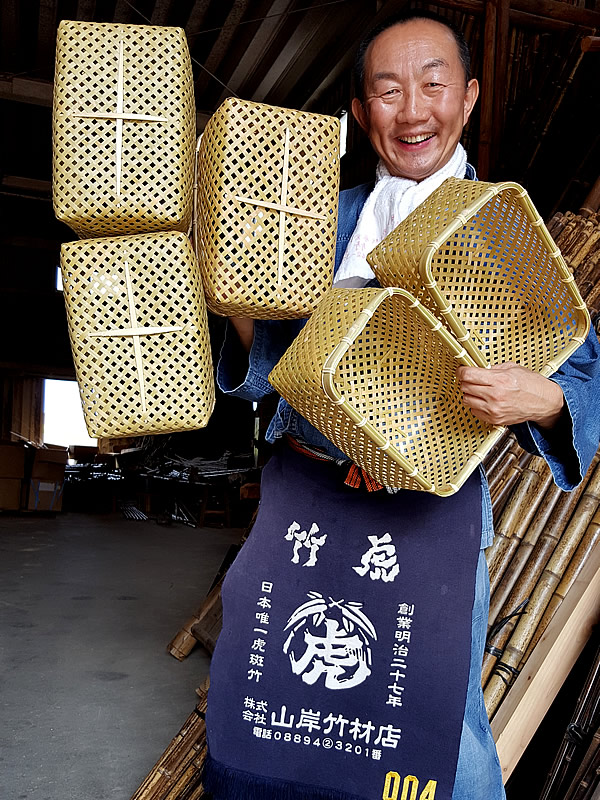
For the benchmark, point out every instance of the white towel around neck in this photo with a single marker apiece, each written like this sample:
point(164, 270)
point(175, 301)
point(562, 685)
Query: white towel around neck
point(390, 202)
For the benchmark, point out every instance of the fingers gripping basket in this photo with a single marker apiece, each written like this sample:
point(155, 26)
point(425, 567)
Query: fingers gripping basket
point(267, 209)
point(374, 371)
point(139, 334)
point(479, 256)
point(123, 129)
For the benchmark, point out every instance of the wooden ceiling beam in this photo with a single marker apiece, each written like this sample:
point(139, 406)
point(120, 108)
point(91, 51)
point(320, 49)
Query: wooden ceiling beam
point(46, 35)
point(345, 56)
point(220, 47)
point(9, 34)
point(565, 12)
point(86, 9)
point(161, 12)
point(262, 40)
point(194, 24)
point(299, 39)
point(26, 90)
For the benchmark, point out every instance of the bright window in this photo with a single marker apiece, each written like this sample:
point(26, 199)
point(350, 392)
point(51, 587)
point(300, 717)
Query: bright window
point(63, 417)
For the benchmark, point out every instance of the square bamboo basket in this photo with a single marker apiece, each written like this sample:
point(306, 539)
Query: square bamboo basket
point(375, 372)
point(123, 129)
point(266, 217)
point(139, 334)
point(479, 257)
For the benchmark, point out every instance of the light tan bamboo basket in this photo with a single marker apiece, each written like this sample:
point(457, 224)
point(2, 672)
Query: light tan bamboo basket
point(139, 334)
point(374, 371)
point(479, 256)
point(123, 129)
point(267, 209)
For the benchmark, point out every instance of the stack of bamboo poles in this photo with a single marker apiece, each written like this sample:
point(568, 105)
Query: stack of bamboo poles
point(177, 775)
point(578, 237)
point(543, 538)
point(575, 773)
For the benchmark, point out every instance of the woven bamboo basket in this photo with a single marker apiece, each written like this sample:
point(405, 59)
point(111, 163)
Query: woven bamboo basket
point(479, 257)
point(374, 371)
point(267, 209)
point(123, 129)
point(139, 334)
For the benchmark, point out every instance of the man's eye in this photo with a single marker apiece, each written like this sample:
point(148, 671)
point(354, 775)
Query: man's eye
point(390, 92)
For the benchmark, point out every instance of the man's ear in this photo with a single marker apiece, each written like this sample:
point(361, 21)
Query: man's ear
point(471, 96)
point(360, 115)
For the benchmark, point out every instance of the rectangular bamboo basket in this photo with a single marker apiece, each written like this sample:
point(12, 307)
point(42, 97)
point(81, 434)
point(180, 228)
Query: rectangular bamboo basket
point(123, 129)
point(375, 372)
point(479, 257)
point(266, 215)
point(139, 334)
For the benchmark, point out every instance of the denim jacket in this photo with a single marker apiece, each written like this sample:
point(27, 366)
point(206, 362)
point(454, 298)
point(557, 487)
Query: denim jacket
point(568, 450)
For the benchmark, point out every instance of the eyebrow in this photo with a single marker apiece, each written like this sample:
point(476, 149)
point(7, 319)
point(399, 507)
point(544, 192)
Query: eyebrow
point(431, 64)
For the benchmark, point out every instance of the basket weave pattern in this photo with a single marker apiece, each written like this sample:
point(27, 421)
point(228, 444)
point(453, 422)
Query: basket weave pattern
point(267, 209)
point(479, 257)
point(375, 373)
point(123, 129)
point(139, 334)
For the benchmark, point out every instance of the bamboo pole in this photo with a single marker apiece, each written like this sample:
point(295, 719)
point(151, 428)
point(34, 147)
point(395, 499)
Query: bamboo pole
point(497, 453)
point(587, 777)
point(581, 720)
point(512, 455)
point(586, 547)
point(525, 628)
point(503, 490)
point(591, 204)
point(516, 516)
point(512, 571)
point(183, 757)
point(536, 555)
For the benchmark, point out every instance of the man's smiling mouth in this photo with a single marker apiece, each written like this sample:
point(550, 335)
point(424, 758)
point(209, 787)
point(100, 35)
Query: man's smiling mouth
point(416, 139)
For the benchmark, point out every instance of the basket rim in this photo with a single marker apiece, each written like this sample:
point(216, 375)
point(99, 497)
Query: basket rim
point(459, 352)
point(462, 334)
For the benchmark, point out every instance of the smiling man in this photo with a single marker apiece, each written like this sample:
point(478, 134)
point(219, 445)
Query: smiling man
point(355, 673)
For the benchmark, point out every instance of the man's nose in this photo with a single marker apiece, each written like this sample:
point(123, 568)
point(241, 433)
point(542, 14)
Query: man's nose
point(414, 107)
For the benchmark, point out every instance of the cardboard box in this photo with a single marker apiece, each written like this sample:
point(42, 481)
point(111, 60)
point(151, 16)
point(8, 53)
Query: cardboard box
point(44, 495)
point(12, 460)
point(49, 462)
point(10, 494)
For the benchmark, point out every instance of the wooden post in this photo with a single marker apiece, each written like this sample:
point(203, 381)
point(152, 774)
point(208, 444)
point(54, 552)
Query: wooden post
point(487, 90)
point(500, 79)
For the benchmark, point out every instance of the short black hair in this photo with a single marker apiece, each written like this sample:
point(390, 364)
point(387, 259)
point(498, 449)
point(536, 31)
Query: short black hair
point(400, 19)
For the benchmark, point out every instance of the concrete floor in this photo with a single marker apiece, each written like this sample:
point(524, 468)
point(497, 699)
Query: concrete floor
point(89, 698)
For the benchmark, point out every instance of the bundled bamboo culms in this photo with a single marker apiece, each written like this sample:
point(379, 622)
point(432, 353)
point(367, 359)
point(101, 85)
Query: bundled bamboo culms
point(557, 564)
point(535, 554)
point(581, 723)
point(497, 453)
point(516, 516)
point(587, 779)
point(503, 490)
point(177, 774)
point(585, 548)
point(512, 570)
point(510, 457)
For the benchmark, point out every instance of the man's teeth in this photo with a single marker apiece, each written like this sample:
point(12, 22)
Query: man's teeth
point(415, 139)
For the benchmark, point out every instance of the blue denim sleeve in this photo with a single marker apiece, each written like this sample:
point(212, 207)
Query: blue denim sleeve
point(570, 448)
point(244, 375)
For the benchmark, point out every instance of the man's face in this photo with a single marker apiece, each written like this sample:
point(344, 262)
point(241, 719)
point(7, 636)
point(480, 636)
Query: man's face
point(416, 101)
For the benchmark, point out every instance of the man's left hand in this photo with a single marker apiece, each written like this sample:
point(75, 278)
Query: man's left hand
point(508, 394)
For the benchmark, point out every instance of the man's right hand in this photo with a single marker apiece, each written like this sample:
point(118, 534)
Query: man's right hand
point(245, 330)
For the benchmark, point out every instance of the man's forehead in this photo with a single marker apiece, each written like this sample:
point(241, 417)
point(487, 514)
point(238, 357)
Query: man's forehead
point(411, 37)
